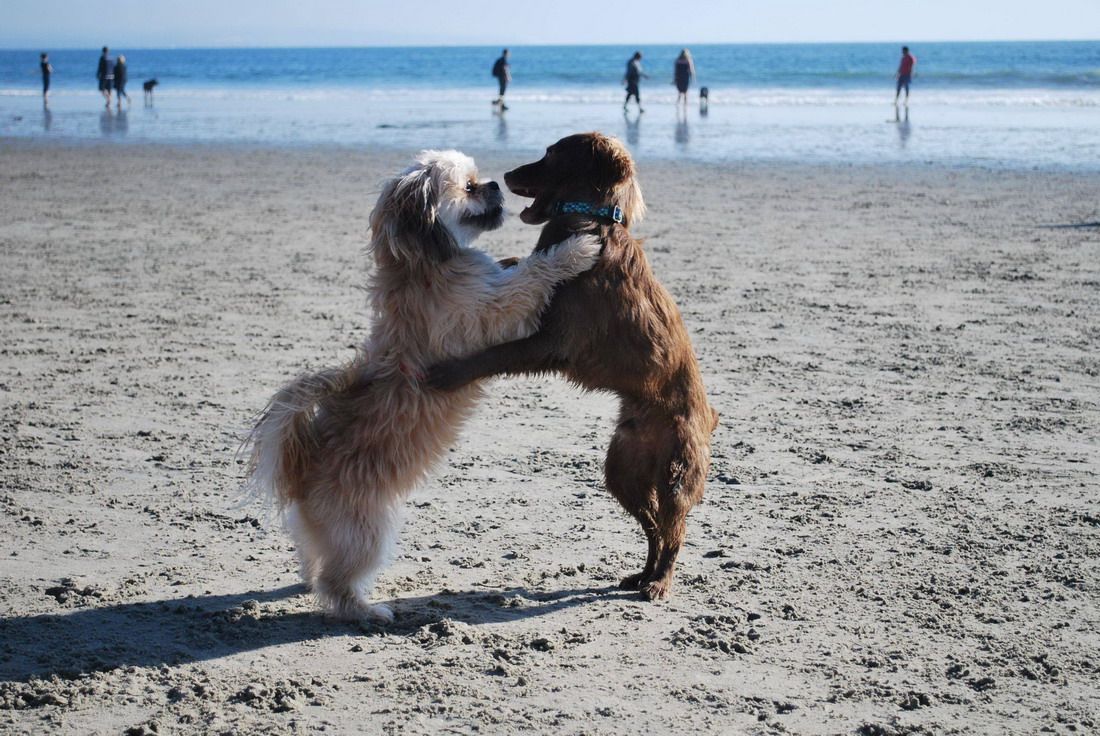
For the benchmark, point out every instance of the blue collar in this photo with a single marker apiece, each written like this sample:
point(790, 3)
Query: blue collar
point(607, 212)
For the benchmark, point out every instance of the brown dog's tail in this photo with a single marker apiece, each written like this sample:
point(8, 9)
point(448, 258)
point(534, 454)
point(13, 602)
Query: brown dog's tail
point(285, 437)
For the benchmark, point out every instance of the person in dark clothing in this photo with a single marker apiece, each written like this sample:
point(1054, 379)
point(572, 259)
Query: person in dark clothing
point(633, 75)
point(105, 74)
point(47, 70)
point(503, 72)
point(120, 81)
point(682, 74)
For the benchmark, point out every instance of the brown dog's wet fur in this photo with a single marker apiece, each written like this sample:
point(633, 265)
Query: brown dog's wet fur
point(614, 328)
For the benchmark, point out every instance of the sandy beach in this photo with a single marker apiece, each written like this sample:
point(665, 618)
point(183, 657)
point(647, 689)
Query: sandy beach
point(900, 533)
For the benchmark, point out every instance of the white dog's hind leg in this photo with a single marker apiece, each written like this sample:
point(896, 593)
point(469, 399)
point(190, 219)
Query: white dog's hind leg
point(354, 549)
point(306, 544)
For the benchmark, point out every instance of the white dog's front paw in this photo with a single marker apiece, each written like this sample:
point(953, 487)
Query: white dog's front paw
point(380, 612)
point(579, 253)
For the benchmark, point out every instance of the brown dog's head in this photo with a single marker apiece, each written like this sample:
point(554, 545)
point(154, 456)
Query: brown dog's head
point(586, 167)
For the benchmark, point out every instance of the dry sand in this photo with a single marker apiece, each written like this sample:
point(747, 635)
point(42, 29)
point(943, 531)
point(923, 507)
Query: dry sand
point(900, 534)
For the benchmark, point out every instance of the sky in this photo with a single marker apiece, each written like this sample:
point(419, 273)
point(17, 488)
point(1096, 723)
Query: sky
point(213, 23)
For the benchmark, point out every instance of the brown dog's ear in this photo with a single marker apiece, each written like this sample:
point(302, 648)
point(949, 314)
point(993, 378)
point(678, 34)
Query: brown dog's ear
point(611, 164)
point(628, 195)
point(405, 219)
point(615, 177)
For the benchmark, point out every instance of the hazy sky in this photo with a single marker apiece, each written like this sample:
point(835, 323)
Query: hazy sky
point(150, 23)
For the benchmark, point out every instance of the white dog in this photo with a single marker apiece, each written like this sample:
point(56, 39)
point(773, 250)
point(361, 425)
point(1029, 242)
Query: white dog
point(340, 449)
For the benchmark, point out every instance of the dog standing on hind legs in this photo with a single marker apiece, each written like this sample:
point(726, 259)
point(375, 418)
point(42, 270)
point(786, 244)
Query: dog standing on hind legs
point(614, 328)
point(339, 450)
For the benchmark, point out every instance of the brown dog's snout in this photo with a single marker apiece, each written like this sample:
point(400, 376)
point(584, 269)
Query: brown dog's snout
point(524, 180)
point(510, 178)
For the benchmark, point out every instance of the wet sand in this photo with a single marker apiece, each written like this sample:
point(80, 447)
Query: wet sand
point(901, 528)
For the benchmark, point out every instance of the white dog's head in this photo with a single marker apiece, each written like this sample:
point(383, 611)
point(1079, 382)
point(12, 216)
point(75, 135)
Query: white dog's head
point(434, 208)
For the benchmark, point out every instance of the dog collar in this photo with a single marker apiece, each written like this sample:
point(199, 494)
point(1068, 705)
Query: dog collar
point(608, 212)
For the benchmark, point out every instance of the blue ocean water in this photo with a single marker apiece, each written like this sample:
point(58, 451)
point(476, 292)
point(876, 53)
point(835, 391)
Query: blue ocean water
point(997, 104)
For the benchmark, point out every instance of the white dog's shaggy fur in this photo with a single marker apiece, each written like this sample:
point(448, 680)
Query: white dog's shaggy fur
point(340, 449)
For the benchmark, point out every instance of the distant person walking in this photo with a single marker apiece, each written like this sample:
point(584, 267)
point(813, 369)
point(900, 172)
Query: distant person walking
point(120, 81)
point(904, 74)
point(633, 76)
point(683, 72)
point(47, 70)
point(502, 70)
point(105, 74)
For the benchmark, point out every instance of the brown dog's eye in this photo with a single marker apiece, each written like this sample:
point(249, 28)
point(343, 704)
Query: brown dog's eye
point(470, 185)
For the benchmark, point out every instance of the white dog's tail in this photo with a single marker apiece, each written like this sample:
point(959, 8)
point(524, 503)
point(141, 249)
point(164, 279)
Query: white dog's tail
point(285, 437)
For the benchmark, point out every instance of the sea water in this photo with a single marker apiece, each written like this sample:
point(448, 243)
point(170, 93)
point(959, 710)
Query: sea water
point(1012, 104)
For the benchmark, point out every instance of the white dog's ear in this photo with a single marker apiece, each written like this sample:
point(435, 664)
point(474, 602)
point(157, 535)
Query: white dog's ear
point(406, 219)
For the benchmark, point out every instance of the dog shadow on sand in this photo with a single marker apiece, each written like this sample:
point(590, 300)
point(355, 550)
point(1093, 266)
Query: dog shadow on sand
point(198, 628)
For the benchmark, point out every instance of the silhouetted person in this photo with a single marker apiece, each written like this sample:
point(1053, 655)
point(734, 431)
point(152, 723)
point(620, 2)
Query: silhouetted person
point(632, 77)
point(47, 70)
point(904, 74)
point(105, 74)
point(120, 81)
point(503, 72)
point(682, 74)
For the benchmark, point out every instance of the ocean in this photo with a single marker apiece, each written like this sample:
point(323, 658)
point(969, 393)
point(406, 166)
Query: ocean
point(1000, 105)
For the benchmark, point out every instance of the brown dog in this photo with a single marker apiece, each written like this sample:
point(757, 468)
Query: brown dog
point(613, 328)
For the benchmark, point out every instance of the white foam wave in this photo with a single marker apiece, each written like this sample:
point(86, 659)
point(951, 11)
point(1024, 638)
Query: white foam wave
point(732, 96)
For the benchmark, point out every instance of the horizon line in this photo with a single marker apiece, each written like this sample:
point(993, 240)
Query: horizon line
point(186, 47)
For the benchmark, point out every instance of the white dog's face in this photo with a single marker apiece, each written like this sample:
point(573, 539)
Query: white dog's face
point(467, 207)
point(436, 206)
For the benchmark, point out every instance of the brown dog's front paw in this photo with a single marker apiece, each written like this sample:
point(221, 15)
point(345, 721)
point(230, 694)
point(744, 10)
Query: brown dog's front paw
point(632, 582)
point(446, 376)
point(657, 590)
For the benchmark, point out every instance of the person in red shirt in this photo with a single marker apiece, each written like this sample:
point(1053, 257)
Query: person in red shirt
point(904, 74)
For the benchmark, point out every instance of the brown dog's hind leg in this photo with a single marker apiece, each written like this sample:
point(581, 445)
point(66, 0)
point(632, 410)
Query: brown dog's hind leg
point(638, 579)
point(673, 527)
point(628, 473)
point(678, 492)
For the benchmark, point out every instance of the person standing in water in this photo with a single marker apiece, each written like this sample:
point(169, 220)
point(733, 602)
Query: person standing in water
point(682, 74)
point(47, 70)
point(632, 77)
point(120, 81)
point(105, 74)
point(904, 74)
point(503, 72)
